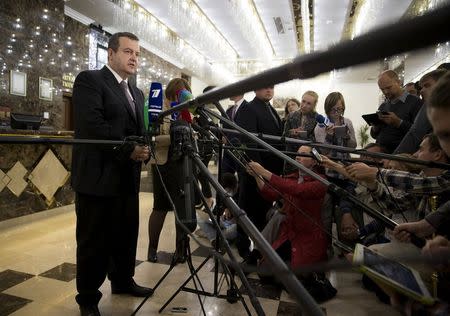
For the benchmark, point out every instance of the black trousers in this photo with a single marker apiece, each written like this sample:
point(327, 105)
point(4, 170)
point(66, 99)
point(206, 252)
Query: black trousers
point(256, 208)
point(106, 233)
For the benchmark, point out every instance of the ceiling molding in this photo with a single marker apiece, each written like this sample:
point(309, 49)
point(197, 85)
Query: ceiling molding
point(298, 22)
point(352, 16)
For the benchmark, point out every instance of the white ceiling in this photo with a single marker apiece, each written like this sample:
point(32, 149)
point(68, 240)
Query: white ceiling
point(284, 44)
point(329, 19)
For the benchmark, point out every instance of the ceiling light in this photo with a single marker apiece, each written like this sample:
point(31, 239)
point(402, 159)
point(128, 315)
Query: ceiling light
point(279, 25)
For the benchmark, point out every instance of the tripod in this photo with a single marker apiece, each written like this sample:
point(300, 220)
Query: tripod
point(188, 156)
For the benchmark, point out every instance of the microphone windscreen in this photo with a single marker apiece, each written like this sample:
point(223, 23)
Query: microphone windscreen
point(155, 104)
point(183, 96)
point(322, 120)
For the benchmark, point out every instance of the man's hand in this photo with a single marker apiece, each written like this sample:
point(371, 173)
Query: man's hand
point(255, 168)
point(349, 228)
point(438, 247)
point(330, 164)
point(421, 229)
point(362, 172)
point(390, 119)
point(140, 153)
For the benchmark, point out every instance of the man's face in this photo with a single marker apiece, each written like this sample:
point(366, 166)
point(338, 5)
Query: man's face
point(411, 89)
point(236, 98)
point(390, 87)
point(308, 162)
point(265, 94)
point(125, 60)
point(373, 149)
point(308, 103)
point(424, 152)
point(439, 119)
point(427, 85)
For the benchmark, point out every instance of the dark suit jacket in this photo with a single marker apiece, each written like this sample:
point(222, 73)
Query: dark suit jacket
point(102, 111)
point(255, 118)
point(229, 112)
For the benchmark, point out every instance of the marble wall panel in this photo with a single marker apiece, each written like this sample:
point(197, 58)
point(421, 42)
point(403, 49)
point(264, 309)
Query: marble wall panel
point(31, 200)
point(32, 42)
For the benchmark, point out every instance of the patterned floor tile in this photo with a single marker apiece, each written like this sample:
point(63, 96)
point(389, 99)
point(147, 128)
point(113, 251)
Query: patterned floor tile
point(10, 303)
point(64, 272)
point(10, 278)
point(165, 257)
point(292, 309)
point(263, 290)
point(202, 252)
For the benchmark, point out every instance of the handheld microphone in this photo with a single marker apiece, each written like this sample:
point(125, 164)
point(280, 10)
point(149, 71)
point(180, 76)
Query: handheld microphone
point(322, 120)
point(153, 107)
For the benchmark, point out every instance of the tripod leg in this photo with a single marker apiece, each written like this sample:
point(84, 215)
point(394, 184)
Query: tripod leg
point(182, 287)
point(195, 276)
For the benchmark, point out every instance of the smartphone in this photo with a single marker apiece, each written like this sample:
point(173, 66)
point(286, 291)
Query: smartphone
point(303, 135)
point(316, 155)
point(340, 131)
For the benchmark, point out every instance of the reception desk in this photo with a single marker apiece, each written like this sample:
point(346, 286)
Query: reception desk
point(34, 177)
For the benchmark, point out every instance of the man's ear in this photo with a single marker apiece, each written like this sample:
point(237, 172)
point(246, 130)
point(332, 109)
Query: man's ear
point(110, 52)
point(440, 155)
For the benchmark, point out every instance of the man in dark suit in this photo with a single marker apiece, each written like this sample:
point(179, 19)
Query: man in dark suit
point(258, 116)
point(105, 179)
point(228, 163)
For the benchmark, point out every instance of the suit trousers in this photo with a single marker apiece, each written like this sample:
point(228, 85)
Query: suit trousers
point(256, 208)
point(106, 233)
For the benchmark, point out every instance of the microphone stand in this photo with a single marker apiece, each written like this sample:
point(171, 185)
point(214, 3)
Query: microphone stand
point(287, 277)
point(62, 140)
point(288, 140)
point(291, 153)
point(387, 222)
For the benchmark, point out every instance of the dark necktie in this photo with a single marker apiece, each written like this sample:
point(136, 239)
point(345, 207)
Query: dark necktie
point(273, 115)
point(124, 87)
point(233, 112)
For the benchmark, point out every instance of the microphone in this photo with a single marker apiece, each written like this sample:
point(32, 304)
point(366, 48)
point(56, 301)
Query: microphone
point(153, 107)
point(322, 120)
point(184, 95)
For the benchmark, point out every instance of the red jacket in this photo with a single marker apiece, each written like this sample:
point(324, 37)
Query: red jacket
point(307, 237)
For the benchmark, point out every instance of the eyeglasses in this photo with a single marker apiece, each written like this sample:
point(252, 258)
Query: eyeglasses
point(337, 110)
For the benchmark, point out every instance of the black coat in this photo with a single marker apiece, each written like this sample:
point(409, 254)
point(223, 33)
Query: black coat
point(102, 111)
point(255, 118)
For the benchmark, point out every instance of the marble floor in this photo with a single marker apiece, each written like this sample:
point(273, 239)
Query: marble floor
point(37, 275)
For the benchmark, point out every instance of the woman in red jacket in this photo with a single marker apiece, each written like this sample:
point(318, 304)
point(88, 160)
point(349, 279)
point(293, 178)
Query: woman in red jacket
point(305, 233)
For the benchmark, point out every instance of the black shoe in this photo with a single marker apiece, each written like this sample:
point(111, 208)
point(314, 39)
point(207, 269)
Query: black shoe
point(253, 257)
point(221, 248)
point(152, 256)
point(89, 310)
point(179, 257)
point(132, 289)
